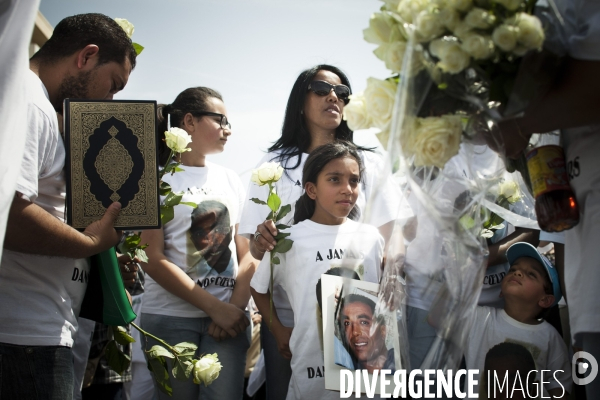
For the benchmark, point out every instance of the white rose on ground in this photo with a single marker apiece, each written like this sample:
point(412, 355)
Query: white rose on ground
point(477, 46)
point(505, 37)
point(383, 28)
point(126, 25)
point(449, 17)
point(433, 140)
point(268, 172)
point(511, 5)
point(177, 140)
point(452, 58)
point(409, 9)
point(379, 99)
point(531, 33)
point(461, 5)
point(479, 18)
point(428, 26)
point(206, 369)
point(355, 113)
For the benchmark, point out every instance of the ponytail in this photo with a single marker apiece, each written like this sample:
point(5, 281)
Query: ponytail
point(305, 208)
point(162, 117)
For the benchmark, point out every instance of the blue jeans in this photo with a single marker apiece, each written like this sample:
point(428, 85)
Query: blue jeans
point(36, 372)
point(277, 369)
point(231, 352)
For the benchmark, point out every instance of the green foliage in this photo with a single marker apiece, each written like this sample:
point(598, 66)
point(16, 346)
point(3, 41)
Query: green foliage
point(275, 260)
point(121, 336)
point(138, 48)
point(274, 202)
point(158, 367)
point(285, 210)
point(258, 201)
point(117, 360)
point(283, 246)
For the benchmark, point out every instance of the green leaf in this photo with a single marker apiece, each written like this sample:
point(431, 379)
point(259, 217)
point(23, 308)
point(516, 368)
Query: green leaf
point(281, 235)
point(178, 169)
point(186, 349)
point(189, 203)
point(117, 361)
point(166, 214)
point(159, 351)
point(283, 212)
point(121, 336)
point(258, 201)
point(270, 216)
point(138, 48)
point(283, 246)
point(158, 366)
point(182, 369)
point(141, 255)
point(164, 188)
point(282, 226)
point(173, 199)
point(275, 260)
point(273, 202)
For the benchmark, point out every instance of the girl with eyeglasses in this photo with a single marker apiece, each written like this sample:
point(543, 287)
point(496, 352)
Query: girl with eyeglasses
point(313, 118)
point(199, 267)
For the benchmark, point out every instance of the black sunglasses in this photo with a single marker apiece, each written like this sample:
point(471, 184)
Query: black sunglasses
point(322, 88)
point(224, 122)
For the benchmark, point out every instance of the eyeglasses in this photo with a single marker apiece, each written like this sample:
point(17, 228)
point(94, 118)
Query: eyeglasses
point(224, 123)
point(322, 88)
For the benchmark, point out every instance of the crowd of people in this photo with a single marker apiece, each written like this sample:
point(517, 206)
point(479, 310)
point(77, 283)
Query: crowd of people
point(206, 264)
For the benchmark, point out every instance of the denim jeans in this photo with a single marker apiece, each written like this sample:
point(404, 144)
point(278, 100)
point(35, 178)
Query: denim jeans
point(36, 372)
point(277, 368)
point(232, 356)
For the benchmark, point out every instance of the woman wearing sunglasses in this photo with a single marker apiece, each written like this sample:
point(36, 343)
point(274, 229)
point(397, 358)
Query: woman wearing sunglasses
point(197, 284)
point(313, 118)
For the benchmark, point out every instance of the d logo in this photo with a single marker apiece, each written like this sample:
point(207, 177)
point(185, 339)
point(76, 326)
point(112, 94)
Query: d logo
point(581, 368)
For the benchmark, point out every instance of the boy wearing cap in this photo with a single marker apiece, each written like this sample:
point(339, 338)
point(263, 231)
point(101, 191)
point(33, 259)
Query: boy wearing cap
point(529, 288)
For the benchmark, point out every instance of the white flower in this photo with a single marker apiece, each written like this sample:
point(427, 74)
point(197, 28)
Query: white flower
point(462, 29)
point(428, 26)
point(206, 369)
point(126, 25)
point(383, 28)
point(461, 5)
point(409, 9)
point(355, 113)
point(477, 46)
point(268, 172)
point(379, 98)
point(511, 5)
point(479, 18)
point(505, 37)
point(391, 5)
point(177, 140)
point(432, 140)
point(393, 56)
point(452, 58)
point(449, 17)
point(383, 137)
point(531, 33)
point(510, 190)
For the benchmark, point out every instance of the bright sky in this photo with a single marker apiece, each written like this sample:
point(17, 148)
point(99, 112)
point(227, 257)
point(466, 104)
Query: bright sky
point(251, 51)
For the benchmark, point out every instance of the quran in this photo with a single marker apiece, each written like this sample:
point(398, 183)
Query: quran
point(112, 155)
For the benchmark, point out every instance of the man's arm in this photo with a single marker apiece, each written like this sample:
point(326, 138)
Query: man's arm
point(31, 229)
point(498, 250)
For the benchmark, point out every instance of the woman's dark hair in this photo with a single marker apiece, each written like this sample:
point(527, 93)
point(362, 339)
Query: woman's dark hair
point(74, 33)
point(193, 101)
point(316, 161)
point(295, 137)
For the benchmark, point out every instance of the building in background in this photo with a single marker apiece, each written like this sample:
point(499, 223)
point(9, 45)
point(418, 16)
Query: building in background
point(42, 31)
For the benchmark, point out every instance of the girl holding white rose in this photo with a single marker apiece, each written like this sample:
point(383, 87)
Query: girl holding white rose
point(199, 267)
point(313, 118)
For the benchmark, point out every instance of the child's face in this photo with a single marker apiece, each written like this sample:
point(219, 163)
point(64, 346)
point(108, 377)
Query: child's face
point(335, 192)
point(525, 279)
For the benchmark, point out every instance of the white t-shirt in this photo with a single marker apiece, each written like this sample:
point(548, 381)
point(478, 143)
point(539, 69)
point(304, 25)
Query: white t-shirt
point(492, 326)
point(384, 208)
point(40, 296)
point(316, 249)
point(582, 146)
point(200, 240)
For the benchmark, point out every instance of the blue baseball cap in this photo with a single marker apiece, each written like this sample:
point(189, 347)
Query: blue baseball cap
point(523, 249)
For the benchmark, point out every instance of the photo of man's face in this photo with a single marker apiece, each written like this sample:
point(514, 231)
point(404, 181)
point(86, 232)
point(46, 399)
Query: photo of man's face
point(357, 320)
point(210, 232)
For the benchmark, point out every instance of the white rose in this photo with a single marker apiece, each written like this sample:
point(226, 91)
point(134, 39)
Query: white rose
point(393, 56)
point(462, 29)
point(383, 28)
point(206, 369)
point(511, 5)
point(479, 18)
point(477, 46)
point(505, 36)
point(379, 99)
point(268, 172)
point(531, 33)
point(461, 5)
point(383, 137)
point(433, 140)
point(409, 9)
point(355, 113)
point(126, 25)
point(391, 5)
point(177, 140)
point(510, 190)
point(452, 58)
point(449, 17)
point(428, 26)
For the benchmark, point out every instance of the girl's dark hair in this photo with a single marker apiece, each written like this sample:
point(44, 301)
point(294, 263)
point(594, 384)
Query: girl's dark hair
point(316, 161)
point(193, 101)
point(295, 137)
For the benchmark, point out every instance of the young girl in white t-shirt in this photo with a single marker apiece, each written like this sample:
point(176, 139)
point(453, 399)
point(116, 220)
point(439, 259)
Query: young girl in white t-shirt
point(324, 237)
point(199, 268)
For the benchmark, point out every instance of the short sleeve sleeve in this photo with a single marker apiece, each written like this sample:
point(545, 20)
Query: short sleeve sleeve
point(254, 214)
